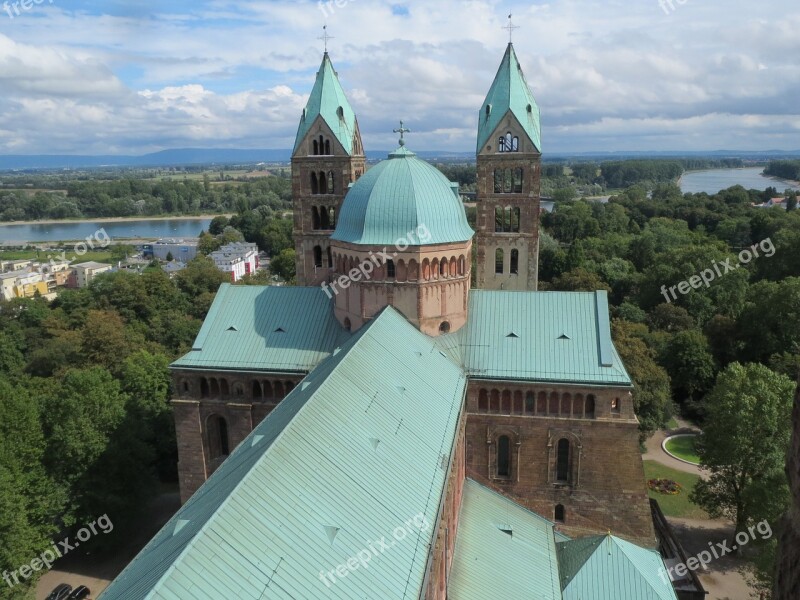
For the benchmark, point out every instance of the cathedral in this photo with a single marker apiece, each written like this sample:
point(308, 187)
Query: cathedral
point(384, 430)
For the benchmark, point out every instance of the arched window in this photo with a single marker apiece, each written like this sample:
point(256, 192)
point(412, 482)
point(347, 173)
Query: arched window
point(426, 269)
point(332, 217)
point(256, 390)
point(321, 144)
point(518, 403)
point(330, 258)
point(413, 270)
point(435, 268)
point(494, 402)
point(499, 214)
point(325, 218)
point(318, 256)
point(515, 262)
point(506, 409)
point(331, 187)
point(314, 184)
point(315, 220)
point(279, 394)
point(541, 403)
point(483, 401)
point(559, 514)
point(508, 143)
point(268, 392)
point(589, 405)
point(503, 456)
point(217, 437)
point(530, 403)
point(391, 271)
point(348, 325)
point(507, 225)
point(517, 181)
point(498, 181)
point(453, 267)
point(508, 181)
point(462, 265)
point(316, 148)
point(566, 405)
point(224, 390)
point(185, 387)
point(499, 262)
point(328, 147)
point(444, 327)
point(554, 405)
point(204, 390)
point(402, 270)
point(562, 461)
point(323, 183)
point(515, 216)
point(443, 267)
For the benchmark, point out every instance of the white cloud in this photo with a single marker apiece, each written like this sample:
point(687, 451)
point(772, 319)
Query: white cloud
point(616, 75)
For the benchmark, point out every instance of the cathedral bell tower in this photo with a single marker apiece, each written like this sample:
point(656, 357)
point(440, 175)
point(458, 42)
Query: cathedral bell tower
point(328, 156)
point(509, 171)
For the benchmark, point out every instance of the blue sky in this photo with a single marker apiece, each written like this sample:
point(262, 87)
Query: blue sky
point(125, 77)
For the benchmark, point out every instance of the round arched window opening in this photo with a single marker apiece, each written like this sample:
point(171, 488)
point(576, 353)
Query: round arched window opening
point(444, 327)
point(348, 325)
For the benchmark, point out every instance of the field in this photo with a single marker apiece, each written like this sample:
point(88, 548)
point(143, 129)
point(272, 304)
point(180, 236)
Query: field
point(40, 255)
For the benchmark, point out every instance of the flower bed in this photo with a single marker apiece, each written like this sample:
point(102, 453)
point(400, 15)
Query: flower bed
point(665, 486)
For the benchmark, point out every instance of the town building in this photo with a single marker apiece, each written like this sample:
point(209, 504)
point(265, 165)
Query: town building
point(237, 259)
point(182, 250)
point(82, 274)
point(488, 435)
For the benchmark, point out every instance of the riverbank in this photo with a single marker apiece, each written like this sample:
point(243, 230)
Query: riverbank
point(114, 220)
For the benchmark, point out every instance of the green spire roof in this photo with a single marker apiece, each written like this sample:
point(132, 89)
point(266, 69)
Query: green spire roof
point(509, 92)
point(329, 101)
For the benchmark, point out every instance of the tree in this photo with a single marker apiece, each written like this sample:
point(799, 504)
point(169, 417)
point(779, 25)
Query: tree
point(688, 360)
point(651, 394)
point(169, 257)
point(284, 266)
point(744, 445)
point(218, 225)
point(30, 501)
point(208, 244)
point(579, 280)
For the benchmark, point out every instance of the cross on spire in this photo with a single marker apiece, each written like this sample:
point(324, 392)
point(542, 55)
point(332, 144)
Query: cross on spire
point(325, 37)
point(402, 131)
point(510, 27)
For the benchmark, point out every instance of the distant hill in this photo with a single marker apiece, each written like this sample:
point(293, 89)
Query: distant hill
point(206, 156)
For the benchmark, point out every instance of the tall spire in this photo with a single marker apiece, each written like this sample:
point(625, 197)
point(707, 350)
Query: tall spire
point(328, 101)
point(510, 27)
point(509, 92)
point(325, 37)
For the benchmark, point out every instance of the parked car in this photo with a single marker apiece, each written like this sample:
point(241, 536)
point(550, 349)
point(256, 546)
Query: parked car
point(61, 592)
point(80, 593)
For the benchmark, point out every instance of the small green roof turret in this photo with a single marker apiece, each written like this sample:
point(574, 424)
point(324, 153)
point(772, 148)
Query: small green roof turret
point(328, 100)
point(509, 92)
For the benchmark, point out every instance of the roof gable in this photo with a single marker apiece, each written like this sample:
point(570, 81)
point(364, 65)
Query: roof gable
point(328, 100)
point(607, 567)
point(316, 482)
point(509, 92)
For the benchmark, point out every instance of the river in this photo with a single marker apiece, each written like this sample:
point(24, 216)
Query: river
point(79, 230)
point(714, 180)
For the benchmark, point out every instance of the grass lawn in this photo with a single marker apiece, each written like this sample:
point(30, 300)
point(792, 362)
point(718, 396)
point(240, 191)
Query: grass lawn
point(674, 506)
point(683, 447)
point(97, 256)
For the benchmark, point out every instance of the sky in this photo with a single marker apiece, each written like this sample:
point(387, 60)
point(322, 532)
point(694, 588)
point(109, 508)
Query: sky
point(131, 77)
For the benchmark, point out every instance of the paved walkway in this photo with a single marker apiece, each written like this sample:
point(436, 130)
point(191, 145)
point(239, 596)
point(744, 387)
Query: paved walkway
point(656, 453)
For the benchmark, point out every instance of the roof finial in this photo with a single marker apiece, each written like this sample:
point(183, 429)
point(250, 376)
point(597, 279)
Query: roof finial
point(510, 27)
point(325, 37)
point(402, 131)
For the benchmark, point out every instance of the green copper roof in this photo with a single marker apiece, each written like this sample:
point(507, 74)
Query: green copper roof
point(608, 568)
point(502, 550)
point(541, 336)
point(509, 92)
point(278, 329)
point(356, 451)
point(398, 197)
point(328, 101)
